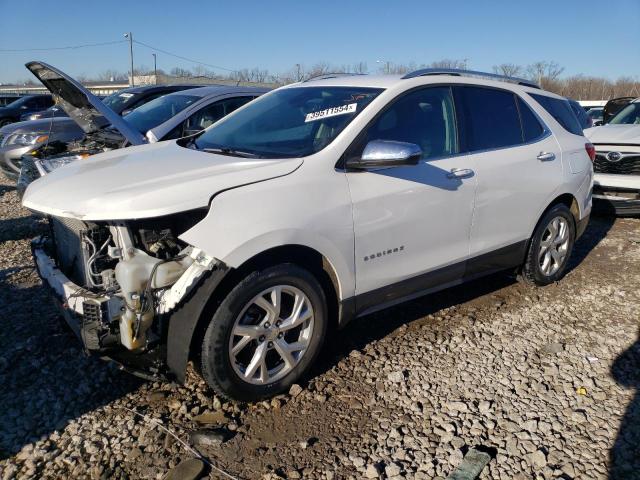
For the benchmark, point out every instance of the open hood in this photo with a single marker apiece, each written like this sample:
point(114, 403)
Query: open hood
point(614, 134)
point(146, 181)
point(81, 105)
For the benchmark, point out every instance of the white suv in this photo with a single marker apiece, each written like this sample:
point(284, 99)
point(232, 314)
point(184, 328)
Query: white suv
point(617, 163)
point(314, 204)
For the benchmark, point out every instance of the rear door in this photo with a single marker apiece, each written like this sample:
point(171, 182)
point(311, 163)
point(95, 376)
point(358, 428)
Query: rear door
point(518, 167)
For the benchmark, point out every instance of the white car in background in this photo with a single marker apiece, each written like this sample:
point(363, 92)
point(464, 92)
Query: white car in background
point(316, 203)
point(617, 163)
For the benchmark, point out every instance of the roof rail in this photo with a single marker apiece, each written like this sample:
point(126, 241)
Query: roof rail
point(470, 73)
point(324, 76)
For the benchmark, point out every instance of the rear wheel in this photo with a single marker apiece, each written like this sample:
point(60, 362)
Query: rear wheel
point(550, 247)
point(265, 334)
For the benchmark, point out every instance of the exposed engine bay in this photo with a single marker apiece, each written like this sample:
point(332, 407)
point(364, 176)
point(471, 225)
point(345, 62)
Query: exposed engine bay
point(55, 154)
point(122, 278)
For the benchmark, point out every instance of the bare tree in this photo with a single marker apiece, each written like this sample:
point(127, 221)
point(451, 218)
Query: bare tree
point(450, 63)
point(508, 69)
point(111, 75)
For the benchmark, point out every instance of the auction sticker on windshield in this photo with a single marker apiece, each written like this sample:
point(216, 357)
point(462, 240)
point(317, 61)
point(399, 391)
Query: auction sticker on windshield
point(331, 112)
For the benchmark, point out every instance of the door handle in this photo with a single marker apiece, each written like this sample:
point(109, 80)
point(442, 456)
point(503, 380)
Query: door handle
point(460, 173)
point(546, 156)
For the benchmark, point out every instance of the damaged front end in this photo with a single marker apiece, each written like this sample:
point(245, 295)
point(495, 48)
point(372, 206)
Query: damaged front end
point(119, 283)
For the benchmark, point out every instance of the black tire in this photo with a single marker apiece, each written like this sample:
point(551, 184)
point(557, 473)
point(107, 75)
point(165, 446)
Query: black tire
point(532, 272)
point(216, 366)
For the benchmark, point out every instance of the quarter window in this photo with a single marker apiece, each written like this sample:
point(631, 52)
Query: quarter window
point(425, 117)
point(561, 111)
point(488, 118)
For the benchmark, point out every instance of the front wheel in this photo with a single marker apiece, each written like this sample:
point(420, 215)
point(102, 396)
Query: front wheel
point(265, 334)
point(550, 247)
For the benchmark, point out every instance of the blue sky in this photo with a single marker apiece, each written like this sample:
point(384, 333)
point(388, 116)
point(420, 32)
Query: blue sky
point(590, 37)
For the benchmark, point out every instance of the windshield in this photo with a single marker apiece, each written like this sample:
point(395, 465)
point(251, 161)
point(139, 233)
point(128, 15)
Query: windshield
point(629, 115)
point(117, 101)
point(158, 111)
point(291, 122)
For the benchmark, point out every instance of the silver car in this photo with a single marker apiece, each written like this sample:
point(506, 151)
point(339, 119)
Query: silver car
point(171, 116)
point(21, 138)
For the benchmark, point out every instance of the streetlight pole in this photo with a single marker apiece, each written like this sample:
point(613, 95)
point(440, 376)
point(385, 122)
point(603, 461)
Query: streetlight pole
point(155, 68)
point(130, 37)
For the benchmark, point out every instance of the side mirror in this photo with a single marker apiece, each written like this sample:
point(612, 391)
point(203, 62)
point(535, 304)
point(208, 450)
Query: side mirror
point(387, 153)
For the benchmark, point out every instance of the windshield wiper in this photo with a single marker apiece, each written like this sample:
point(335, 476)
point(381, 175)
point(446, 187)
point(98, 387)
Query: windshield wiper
point(232, 152)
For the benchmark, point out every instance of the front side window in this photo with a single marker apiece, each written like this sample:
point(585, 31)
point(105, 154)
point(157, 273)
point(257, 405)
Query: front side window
point(425, 117)
point(488, 118)
point(291, 122)
point(629, 115)
point(561, 111)
point(158, 111)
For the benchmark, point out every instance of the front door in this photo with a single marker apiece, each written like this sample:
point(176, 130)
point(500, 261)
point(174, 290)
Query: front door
point(412, 223)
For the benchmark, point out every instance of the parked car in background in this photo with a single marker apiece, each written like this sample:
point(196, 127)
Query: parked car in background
point(67, 130)
point(584, 119)
point(612, 107)
point(51, 112)
point(617, 165)
point(27, 104)
point(167, 117)
point(22, 138)
point(316, 203)
point(7, 98)
point(596, 114)
point(128, 99)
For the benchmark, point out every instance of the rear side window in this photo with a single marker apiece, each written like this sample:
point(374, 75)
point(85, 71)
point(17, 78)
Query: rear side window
point(488, 118)
point(531, 127)
point(561, 111)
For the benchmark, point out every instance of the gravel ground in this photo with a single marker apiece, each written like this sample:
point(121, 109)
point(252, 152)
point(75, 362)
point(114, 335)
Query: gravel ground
point(544, 379)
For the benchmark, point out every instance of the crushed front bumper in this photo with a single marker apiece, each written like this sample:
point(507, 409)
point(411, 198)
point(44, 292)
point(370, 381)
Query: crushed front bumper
point(78, 307)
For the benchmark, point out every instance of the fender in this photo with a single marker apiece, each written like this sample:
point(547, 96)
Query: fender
point(246, 221)
point(183, 320)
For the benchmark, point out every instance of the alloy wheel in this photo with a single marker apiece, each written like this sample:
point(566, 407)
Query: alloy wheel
point(271, 334)
point(554, 246)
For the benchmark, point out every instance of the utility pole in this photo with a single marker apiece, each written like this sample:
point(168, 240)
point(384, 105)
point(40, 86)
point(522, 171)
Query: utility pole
point(155, 68)
point(130, 37)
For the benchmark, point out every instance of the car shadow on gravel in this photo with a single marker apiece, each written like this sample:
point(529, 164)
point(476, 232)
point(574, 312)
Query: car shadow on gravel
point(5, 188)
point(376, 326)
point(624, 457)
point(22, 228)
point(599, 226)
point(46, 379)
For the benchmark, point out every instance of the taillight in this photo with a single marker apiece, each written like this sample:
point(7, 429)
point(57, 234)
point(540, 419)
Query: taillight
point(591, 150)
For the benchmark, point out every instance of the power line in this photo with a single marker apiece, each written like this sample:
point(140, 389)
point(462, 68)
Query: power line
point(218, 67)
point(71, 47)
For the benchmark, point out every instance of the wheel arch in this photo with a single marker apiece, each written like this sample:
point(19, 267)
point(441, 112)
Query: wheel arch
point(185, 340)
point(567, 199)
